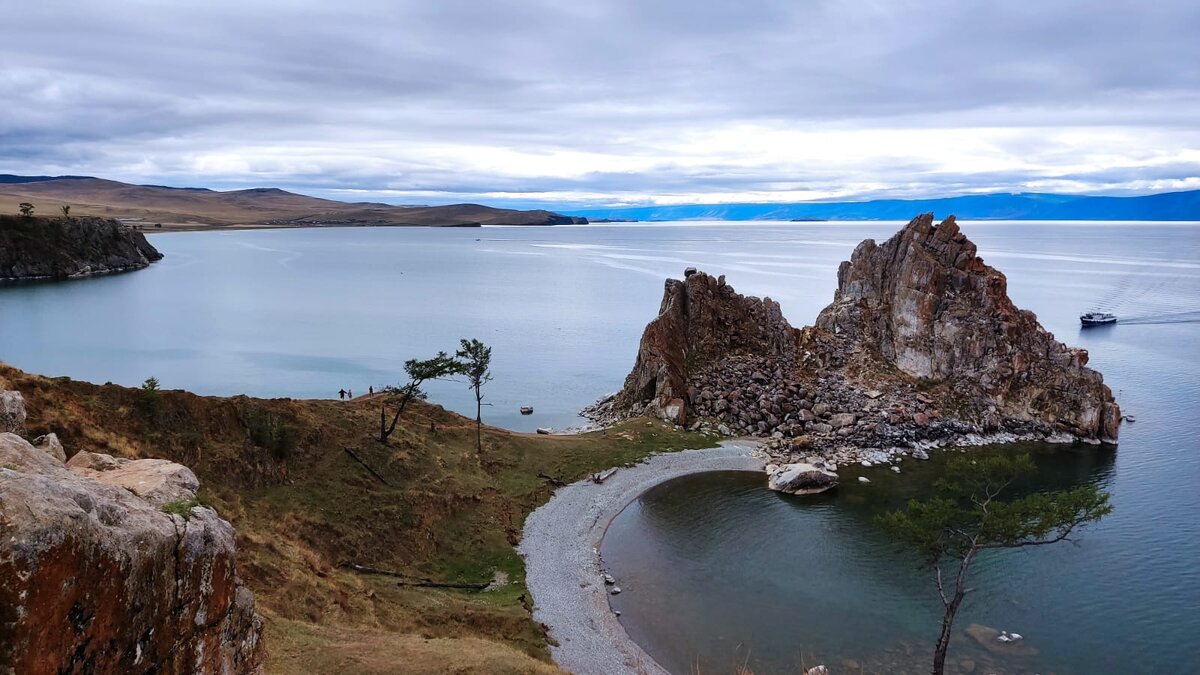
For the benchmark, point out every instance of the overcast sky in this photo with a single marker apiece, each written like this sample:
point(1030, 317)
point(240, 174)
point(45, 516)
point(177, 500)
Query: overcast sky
point(606, 102)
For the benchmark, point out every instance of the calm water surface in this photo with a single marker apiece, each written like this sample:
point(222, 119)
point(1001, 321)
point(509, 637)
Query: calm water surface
point(713, 566)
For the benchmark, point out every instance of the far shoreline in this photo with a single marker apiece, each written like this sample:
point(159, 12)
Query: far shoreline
point(561, 542)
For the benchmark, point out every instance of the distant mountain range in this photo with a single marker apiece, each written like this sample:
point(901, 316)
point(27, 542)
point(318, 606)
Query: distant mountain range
point(1021, 206)
point(201, 208)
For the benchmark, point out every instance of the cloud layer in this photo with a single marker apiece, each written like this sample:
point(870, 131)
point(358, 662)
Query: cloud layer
point(622, 101)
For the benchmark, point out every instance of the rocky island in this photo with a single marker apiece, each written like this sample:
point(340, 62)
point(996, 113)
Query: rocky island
point(920, 348)
point(34, 248)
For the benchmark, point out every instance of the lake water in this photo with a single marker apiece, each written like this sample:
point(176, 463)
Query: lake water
point(712, 562)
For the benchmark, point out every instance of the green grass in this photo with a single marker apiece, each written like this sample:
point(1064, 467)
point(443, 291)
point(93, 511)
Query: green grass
point(180, 507)
point(446, 512)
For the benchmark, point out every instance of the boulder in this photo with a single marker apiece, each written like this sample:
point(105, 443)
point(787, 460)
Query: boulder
point(158, 481)
point(50, 445)
point(840, 420)
point(801, 479)
point(98, 579)
point(12, 411)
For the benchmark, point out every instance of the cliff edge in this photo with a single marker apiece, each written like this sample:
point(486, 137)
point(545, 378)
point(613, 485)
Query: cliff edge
point(109, 565)
point(921, 347)
point(62, 248)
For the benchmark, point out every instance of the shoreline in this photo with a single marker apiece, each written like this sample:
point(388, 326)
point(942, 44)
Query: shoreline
point(560, 543)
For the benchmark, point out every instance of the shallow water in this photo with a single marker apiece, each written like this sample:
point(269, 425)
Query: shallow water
point(303, 313)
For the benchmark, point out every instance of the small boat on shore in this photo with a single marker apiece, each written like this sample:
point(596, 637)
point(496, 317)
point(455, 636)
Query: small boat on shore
point(1097, 319)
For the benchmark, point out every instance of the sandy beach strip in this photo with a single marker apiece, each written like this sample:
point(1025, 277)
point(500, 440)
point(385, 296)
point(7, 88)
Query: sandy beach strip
point(563, 570)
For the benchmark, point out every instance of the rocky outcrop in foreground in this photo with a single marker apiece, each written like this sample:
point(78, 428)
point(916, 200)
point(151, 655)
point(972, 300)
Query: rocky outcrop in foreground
point(109, 565)
point(61, 248)
point(920, 348)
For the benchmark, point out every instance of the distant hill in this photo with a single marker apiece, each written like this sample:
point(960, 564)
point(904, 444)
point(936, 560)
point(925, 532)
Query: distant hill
point(201, 208)
point(1021, 206)
point(10, 178)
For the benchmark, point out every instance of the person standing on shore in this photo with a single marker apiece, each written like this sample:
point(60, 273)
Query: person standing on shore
point(341, 394)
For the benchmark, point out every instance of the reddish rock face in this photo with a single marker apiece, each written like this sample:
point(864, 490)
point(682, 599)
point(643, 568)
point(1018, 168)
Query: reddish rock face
point(935, 311)
point(920, 317)
point(95, 579)
point(701, 320)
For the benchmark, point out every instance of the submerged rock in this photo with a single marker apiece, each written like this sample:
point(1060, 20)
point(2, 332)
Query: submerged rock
point(95, 578)
point(990, 639)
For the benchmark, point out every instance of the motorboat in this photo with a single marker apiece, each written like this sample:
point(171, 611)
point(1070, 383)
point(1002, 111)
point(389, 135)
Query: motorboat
point(1097, 318)
point(526, 410)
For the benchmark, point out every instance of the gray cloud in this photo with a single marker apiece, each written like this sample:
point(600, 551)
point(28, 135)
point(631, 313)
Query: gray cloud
point(607, 101)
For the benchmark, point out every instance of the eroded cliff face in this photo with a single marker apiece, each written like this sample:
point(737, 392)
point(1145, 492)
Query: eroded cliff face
point(924, 302)
point(701, 320)
point(921, 346)
point(108, 566)
point(60, 248)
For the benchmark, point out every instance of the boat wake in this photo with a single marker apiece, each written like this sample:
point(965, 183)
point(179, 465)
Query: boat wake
point(1170, 317)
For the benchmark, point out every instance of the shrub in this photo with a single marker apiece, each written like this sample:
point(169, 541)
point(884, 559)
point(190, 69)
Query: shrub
point(181, 507)
point(147, 401)
point(267, 431)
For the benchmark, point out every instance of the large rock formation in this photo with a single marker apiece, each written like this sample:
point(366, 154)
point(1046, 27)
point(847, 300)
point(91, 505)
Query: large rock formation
point(921, 347)
point(60, 248)
point(116, 569)
point(935, 311)
point(701, 319)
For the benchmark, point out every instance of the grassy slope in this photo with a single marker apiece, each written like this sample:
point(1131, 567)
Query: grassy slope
point(445, 514)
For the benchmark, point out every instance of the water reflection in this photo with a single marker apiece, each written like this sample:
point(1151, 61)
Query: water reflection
point(716, 568)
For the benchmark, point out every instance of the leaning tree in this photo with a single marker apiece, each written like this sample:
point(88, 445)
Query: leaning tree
point(399, 396)
point(973, 513)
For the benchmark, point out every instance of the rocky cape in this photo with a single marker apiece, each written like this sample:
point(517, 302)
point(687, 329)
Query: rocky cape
point(62, 248)
point(109, 565)
point(920, 348)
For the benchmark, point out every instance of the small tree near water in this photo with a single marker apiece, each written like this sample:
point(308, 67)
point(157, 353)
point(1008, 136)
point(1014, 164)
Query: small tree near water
point(26, 209)
point(66, 211)
point(419, 372)
point(970, 515)
point(475, 359)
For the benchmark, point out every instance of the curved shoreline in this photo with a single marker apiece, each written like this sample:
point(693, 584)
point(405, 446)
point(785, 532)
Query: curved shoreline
point(563, 570)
